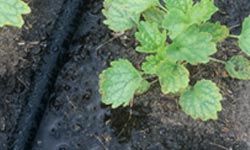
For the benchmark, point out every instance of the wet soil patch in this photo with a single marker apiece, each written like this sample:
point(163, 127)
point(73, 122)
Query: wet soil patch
point(20, 54)
point(45, 76)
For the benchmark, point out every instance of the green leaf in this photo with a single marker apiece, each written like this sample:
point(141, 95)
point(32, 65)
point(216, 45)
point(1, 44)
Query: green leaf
point(192, 46)
point(11, 12)
point(244, 38)
point(151, 63)
point(239, 67)
point(144, 86)
point(173, 77)
point(154, 15)
point(218, 31)
point(150, 38)
point(202, 12)
point(119, 83)
point(176, 21)
point(202, 101)
point(125, 14)
point(182, 14)
point(183, 5)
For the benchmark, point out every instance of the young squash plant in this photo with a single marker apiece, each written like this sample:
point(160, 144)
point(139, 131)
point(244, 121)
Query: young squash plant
point(193, 40)
point(11, 12)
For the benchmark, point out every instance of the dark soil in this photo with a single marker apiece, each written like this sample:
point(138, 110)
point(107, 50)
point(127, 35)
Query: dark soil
point(20, 53)
point(75, 119)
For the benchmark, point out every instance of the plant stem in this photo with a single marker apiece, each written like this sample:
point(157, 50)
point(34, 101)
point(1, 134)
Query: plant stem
point(108, 41)
point(235, 26)
point(233, 36)
point(153, 82)
point(217, 60)
point(163, 8)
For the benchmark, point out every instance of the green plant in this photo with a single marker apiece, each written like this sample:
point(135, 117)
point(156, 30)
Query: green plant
point(11, 11)
point(193, 41)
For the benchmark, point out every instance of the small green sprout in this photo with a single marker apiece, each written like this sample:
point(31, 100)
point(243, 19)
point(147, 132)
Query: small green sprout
point(193, 41)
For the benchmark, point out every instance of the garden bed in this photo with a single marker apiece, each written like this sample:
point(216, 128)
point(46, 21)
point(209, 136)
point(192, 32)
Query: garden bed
point(75, 118)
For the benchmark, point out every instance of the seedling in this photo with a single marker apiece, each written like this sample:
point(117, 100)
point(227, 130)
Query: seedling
point(193, 41)
point(11, 12)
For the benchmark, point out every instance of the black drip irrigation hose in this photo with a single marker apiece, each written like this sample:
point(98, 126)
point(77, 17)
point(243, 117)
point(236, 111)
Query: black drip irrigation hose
point(45, 77)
